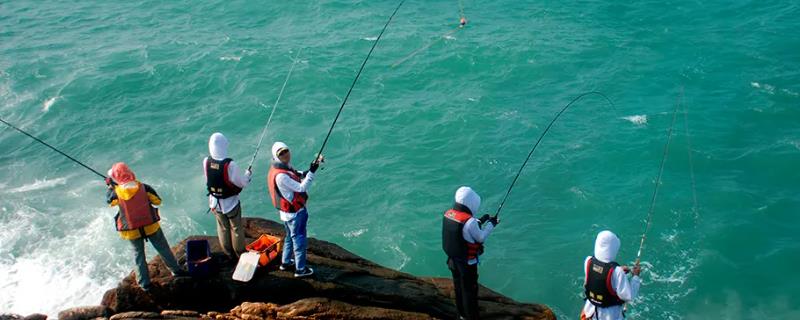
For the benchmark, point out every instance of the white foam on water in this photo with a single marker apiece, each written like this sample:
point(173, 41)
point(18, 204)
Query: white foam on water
point(49, 103)
point(577, 191)
point(40, 184)
point(639, 119)
point(790, 92)
point(370, 38)
point(355, 233)
point(449, 37)
point(50, 271)
point(230, 58)
point(770, 89)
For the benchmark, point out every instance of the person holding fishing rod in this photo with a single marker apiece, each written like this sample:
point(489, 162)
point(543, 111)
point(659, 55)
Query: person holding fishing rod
point(462, 242)
point(288, 190)
point(224, 183)
point(606, 284)
point(138, 220)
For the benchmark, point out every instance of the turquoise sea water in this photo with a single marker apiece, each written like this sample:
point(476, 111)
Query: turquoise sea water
point(146, 82)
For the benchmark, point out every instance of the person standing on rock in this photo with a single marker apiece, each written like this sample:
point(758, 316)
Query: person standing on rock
point(138, 219)
point(224, 183)
point(288, 191)
point(462, 241)
point(606, 285)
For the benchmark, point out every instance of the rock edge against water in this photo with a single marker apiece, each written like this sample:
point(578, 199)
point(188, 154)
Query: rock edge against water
point(344, 286)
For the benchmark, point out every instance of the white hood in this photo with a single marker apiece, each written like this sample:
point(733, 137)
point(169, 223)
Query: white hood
point(606, 246)
point(218, 146)
point(467, 197)
point(277, 146)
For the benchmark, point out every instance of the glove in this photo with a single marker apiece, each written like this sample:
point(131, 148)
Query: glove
point(313, 167)
point(484, 218)
point(494, 220)
point(248, 173)
point(110, 183)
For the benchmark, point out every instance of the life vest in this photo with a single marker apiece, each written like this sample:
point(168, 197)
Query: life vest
point(136, 212)
point(453, 241)
point(597, 286)
point(218, 182)
point(278, 200)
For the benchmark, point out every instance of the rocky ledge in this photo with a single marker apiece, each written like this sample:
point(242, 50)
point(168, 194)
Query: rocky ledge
point(344, 286)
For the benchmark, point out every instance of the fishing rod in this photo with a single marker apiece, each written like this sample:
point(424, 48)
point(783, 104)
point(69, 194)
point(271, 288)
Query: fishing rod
point(462, 21)
point(325, 142)
point(658, 180)
point(274, 106)
point(54, 149)
point(576, 99)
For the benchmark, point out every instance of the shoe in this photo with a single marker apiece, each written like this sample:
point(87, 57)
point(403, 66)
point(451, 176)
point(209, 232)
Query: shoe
point(287, 267)
point(303, 273)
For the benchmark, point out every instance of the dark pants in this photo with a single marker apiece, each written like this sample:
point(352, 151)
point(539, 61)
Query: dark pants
point(465, 282)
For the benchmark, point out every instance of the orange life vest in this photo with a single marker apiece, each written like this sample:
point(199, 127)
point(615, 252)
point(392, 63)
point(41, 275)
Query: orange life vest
point(278, 200)
point(136, 212)
point(453, 241)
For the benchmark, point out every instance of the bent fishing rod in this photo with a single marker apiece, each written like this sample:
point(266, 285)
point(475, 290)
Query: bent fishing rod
point(274, 106)
point(54, 149)
point(658, 180)
point(522, 167)
point(325, 142)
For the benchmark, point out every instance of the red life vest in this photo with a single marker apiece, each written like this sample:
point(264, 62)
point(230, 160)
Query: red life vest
point(136, 212)
point(453, 241)
point(278, 201)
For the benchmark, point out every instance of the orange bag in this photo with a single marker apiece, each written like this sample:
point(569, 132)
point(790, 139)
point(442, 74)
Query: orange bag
point(269, 247)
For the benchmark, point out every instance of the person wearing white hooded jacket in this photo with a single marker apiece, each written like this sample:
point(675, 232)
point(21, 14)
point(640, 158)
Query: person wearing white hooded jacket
point(462, 242)
point(224, 182)
point(288, 190)
point(606, 286)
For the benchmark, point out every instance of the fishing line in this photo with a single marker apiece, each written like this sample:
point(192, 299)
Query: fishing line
point(54, 149)
point(462, 21)
point(275, 106)
point(691, 163)
point(576, 99)
point(658, 179)
point(325, 142)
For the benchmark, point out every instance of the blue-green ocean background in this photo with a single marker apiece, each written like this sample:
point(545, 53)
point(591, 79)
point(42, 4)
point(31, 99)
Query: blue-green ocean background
point(147, 82)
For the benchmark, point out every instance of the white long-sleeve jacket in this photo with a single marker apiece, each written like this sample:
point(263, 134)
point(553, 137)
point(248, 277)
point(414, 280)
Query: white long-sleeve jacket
point(287, 186)
point(605, 249)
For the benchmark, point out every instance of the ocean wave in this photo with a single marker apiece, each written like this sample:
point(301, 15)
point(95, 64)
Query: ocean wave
point(60, 270)
point(230, 58)
point(370, 38)
point(49, 103)
point(39, 185)
point(354, 233)
point(640, 119)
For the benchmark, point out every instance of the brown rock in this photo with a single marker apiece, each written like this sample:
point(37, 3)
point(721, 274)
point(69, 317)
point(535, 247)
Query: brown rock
point(180, 313)
point(10, 316)
point(82, 313)
point(343, 280)
point(136, 315)
point(36, 316)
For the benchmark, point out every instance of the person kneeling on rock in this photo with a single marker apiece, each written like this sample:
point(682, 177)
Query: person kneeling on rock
point(462, 241)
point(288, 191)
point(138, 219)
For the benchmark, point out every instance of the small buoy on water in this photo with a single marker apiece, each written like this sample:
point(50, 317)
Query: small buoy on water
point(463, 22)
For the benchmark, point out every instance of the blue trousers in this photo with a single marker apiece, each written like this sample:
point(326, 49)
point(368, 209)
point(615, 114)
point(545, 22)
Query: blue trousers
point(294, 243)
